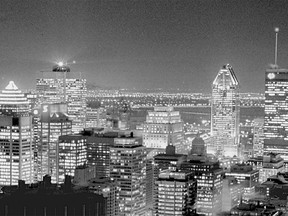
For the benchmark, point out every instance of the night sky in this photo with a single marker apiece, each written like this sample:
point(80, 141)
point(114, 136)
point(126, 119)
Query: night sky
point(143, 44)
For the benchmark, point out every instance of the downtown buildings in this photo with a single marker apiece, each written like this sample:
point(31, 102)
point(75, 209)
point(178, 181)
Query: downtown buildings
point(163, 127)
point(16, 137)
point(175, 193)
point(225, 110)
point(53, 123)
point(62, 86)
point(276, 112)
point(128, 168)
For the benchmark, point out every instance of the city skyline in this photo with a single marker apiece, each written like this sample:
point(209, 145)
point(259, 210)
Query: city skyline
point(128, 44)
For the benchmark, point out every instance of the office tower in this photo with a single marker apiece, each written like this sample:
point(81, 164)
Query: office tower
point(170, 160)
point(53, 123)
point(175, 193)
point(258, 137)
point(62, 86)
point(98, 152)
point(127, 167)
point(225, 109)
point(276, 112)
point(209, 179)
point(109, 190)
point(16, 131)
point(71, 153)
point(245, 176)
point(163, 127)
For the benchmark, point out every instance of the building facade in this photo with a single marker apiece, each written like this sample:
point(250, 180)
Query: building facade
point(62, 86)
point(128, 168)
point(53, 123)
point(71, 153)
point(225, 108)
point(163, 127)
point(175, 193)
point(276, 112)
point(16, 137)
point(209, 177)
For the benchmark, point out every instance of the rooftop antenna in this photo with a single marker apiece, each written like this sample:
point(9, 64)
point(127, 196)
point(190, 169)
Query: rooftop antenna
point(276, 41)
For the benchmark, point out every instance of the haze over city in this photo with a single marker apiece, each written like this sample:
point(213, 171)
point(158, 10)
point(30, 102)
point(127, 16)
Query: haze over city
point(143, 44)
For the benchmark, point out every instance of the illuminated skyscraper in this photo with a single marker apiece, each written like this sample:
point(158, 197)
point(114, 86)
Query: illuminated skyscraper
point(127, 165)
point(209, 184)
point(276, 112)
point(98, 152)
point(16, 142)
point(175, 193)
point(163, 127)
point(53, 123)
point(71, 153)
point(62, 86)
point(225, 112)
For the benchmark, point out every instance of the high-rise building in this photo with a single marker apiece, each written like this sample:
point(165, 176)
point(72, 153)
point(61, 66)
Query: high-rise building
point(209, 185)
point(258, 137)
point(16, 132)
point(98, 152)
point(71, 153)
point(128, 168)
point(163, 127)
point(225, 112)
point(276, 112)
point(109, 190)
point(175, 193)
point(62, 86)
point(53, 123)
point(162, 161)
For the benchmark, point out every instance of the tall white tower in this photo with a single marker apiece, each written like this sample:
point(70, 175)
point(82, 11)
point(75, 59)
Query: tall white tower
point(225, 112)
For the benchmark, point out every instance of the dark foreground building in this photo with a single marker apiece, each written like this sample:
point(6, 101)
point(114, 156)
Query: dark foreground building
point(45, 199)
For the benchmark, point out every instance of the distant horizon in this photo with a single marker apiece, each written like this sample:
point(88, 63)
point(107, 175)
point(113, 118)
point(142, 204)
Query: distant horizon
point(143, 44)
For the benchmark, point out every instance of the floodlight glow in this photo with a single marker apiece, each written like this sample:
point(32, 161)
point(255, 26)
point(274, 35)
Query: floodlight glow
point(276, 29)
point(60, 64)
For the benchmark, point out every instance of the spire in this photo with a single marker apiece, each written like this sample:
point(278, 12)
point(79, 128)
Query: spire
point(276, 44)
point(11, 86)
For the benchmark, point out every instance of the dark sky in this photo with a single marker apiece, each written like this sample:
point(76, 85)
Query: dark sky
point(143, 44)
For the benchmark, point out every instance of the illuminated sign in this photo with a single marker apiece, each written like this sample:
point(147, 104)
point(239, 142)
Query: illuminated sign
point(47, 110)
point(271, 75)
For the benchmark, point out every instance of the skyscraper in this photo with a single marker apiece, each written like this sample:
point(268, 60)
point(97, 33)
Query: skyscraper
point(127, 165)
point(16, 132)
point(98, 152)
point(163, 127)
point(209, 185)
point(53, 123)
point(62, 86)
point(175, 193)
point(225, 112)
point(71, 153)
point(276, 112)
